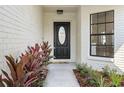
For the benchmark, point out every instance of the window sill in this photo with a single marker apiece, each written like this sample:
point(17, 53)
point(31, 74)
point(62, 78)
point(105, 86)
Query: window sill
point(101, 59)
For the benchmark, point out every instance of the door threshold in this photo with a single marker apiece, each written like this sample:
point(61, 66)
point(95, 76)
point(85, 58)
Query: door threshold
point(59, 62)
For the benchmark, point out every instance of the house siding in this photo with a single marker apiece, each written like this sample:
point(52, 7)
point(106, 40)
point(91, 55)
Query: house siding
point(20, 26)
point(97, 62)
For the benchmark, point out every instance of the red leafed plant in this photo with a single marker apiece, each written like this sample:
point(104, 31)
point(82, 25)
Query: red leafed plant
point(46, 51)
point(30, 68)
point(17, 76)
point(39, 56)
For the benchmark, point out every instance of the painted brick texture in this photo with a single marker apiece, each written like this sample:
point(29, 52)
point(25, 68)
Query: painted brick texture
point(20, 26)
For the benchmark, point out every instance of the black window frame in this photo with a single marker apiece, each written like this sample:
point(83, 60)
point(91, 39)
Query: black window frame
point(98, 34)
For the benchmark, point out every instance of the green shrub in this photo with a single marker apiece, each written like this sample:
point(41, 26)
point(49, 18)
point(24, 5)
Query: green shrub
point(94, 78)
point(106, 71)
point(84, 69)
point(116, 78)
point(102, 83)
point(79, 67)
point(92, 82)
point(98, 79)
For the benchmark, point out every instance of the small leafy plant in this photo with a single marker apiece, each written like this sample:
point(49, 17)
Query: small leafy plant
point(84, 69)
point(106, 78)
point(79, 67)
point(116, 78)
point(102, 83)
point(94, 78)
point(106, 71)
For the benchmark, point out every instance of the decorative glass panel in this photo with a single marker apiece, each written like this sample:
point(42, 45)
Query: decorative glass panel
point(61, 35)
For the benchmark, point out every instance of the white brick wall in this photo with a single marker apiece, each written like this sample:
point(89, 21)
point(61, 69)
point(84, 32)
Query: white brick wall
point(19, 26)
point(97, 62)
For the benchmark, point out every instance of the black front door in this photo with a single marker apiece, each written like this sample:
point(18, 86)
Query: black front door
point(62, 40)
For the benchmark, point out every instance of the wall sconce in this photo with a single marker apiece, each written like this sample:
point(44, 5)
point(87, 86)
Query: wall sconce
point(59, 11)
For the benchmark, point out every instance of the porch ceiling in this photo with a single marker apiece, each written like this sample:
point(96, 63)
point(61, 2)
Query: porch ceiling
point(65, 8)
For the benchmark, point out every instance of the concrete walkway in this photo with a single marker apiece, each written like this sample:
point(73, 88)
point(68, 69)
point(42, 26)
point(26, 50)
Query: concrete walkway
point(61, 75)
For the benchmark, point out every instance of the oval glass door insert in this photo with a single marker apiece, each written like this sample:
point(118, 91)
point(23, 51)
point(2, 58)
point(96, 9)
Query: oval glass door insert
point(61, 35)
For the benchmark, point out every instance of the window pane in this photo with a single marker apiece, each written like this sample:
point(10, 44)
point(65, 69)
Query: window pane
point(93, 50)
point(93, 18)
point(109, 51)
point(100, 50)
point(109, 16)
point(101, 17)
point(93, 40)
point(109, 28)
point(102, 25)
point(101, 28)
point(93, 29)
point(109, 39)
point(101, 39)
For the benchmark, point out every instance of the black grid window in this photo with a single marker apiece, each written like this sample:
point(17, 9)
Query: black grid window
point(102, 34)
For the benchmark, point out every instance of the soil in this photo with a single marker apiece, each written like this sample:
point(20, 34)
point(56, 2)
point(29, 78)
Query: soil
point(81, 80)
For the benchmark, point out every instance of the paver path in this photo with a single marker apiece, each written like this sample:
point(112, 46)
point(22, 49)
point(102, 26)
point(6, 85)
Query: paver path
point(61, 75)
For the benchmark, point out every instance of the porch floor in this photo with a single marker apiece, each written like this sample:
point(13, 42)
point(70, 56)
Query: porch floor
point(61, 75)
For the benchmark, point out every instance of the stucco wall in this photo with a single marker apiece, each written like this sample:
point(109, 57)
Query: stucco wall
point(51, 17)
point(97, 62)
point(78, 36)
point(20, 26)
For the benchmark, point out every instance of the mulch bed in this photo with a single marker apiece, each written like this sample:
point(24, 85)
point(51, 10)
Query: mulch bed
point(81, 81)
